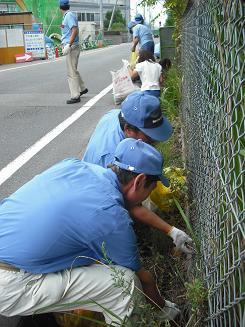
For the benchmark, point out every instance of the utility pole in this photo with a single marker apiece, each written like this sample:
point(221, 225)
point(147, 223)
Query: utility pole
point(101, 17)
point(112, 16)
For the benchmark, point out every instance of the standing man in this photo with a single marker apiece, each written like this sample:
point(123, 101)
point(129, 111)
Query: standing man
point(71, 49)
point(56, 226)
point(140, 118)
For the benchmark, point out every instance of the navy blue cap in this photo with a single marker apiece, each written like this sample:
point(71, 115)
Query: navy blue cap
point(138, 18)
point(64, 2)
point(139, 157)
point(143, 111)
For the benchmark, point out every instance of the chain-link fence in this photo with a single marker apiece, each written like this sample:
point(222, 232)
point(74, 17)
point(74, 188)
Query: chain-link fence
point(212, 60)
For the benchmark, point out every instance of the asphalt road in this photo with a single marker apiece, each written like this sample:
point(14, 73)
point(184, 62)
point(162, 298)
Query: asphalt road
point(33, 102)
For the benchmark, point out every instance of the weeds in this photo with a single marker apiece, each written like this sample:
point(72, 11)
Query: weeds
point(196, 294)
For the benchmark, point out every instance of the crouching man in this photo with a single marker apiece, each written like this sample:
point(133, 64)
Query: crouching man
point(55, 228)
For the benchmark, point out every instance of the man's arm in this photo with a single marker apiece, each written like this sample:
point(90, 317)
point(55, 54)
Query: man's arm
point(148, 217)
point(149, 288)
point(133, 73)
point(182, 241)
point(135, 42)
point(74, 32)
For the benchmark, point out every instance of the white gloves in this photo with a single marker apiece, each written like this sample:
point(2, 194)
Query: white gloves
point(181, 240)
point(66, 49)
point(169, 311)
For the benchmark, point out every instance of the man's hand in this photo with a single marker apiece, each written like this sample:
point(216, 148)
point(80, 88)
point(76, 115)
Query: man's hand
point(181, 240)
point(170, 311)
point(66, 49)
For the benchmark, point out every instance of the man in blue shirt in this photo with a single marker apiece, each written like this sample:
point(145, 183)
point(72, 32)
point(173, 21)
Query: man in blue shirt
point(142, 34)
point(71, 49)
point(55, 227)
point(140, 117)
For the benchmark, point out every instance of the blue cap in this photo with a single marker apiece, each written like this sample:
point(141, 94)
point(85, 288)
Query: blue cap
point(139, 157)
point(143, 111)
point(64, 2)
point(138, 18)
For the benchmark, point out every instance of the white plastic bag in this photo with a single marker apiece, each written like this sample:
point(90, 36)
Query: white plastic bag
point(122, 84)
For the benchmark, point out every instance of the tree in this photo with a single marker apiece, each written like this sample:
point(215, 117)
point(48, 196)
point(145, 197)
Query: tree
point(170, 21)
point(117, 19)
point(175, 10)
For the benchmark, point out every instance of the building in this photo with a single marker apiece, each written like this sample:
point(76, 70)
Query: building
point(89, 11)
point(12, 24)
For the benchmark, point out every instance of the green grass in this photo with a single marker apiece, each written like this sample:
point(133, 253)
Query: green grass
point(170, 101)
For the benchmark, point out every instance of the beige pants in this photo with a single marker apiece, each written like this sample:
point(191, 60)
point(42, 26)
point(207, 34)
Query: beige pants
point(90, 288)
point(75, 81)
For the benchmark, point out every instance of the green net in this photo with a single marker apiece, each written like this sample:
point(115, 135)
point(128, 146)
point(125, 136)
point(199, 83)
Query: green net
point(46, 12)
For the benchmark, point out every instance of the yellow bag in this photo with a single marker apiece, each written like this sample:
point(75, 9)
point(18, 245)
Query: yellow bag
point(162, 196)
point(133, 59)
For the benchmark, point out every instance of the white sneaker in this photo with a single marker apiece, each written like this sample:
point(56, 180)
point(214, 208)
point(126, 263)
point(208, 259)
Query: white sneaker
point(170, 311)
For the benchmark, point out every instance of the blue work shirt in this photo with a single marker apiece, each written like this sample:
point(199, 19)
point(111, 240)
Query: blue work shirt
point(69, 21)
point(103, 142)
point(68, 211)
point(143, 33)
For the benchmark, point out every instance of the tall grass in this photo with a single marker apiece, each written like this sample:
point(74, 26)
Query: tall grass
point(170, 100)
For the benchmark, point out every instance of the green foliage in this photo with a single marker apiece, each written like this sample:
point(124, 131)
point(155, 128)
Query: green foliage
point(196, 294)
point(170, 100)
point(118, 18)
point(118, 27)
point(188, 226)
point(175, 10)
point(170, 21)
point(171, 93)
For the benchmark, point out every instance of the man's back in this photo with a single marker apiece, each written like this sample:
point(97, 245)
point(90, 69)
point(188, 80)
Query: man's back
point(104, 140)
point(66, 212)
point(143, 33)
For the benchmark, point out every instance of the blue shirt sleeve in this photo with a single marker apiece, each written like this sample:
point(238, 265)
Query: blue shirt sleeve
point(71, 20)
point(136, 30)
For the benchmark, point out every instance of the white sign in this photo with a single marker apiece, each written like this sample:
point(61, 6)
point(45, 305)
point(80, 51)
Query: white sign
point(15, 37)
point(34, 43)
point(3, 39)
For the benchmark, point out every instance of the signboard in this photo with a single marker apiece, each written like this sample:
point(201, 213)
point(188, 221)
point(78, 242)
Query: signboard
point(34, 43)
point(24, 57)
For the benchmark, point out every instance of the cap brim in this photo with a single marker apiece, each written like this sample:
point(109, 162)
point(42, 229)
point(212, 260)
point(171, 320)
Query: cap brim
point(164, 180)
point(160, 133)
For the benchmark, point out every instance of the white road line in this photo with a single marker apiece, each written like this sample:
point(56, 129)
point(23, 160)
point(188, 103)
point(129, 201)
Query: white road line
point(24, 157)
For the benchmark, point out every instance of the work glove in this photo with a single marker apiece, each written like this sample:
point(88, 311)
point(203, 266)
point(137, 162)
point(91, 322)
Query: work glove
point(66, 49)
point(170, 311)
point(181, 240)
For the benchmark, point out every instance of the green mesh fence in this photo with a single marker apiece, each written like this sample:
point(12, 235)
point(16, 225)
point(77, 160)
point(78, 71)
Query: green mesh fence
point(213, 114)
point(47, 12)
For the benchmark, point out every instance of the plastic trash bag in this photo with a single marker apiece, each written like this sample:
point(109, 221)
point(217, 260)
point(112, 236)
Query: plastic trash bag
point(162, 196)
point(122, 84)
point(157, 50)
